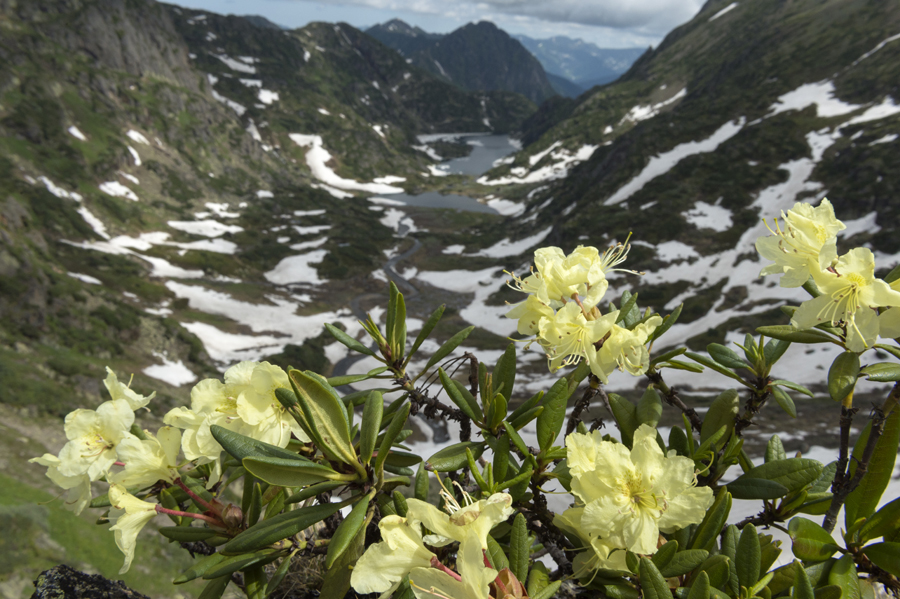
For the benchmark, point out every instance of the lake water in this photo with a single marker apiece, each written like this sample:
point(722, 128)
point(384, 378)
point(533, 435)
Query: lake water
point(486, 150)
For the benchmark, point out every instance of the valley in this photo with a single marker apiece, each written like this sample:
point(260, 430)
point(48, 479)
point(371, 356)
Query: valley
point(181, 191)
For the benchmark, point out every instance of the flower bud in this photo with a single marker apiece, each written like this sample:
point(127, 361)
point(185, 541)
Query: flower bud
point(232, 516)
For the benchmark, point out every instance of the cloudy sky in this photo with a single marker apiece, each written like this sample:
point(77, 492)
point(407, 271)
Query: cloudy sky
point(607, 23)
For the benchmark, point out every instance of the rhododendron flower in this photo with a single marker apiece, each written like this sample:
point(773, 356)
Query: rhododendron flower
point(569, 336)
point(383, 566)
point(849, 292)
point(598, 553)
point(477, 517)
point(474, 577)
point(78, 486)
point(93, 437)
point(129, 515)
point(626, 349)
point(150, 460)
point(630, 496)
point(804, 245)
point(118, 390)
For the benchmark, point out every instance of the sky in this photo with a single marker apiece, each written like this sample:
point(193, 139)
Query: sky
point(606, 23)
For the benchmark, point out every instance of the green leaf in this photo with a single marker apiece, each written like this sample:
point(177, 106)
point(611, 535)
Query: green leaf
point(240, 446)
point(187, 534)
point(519, 548)
point(701, 588)
point(708, 531)
point(710, 363)
point(549, 591)
point(337, 381)
point(649, 408)
point(280, 527)
point(681, 365)
point(784, 401)
point(882, 372)
point(721, 413)
point(526, 417)
point(775, 449)
point(795, 386)
point(336, 582)
point(684, 562)
point(500, 463)
point(861, 503)
point(453, 457)
point(291, 473)
point(775, 479)
point(396, 325)
point(550, 422)
point(393, 430)
point(279, 575)
point(326, 415)
point(529, 405)
point(843, 574)
point(538, 578)
point(215, 588)
point(810, 542)
point(717, 567)
point(347, 340)
point(495, 554)
point(460, 396)
point(422, 483)
point(313, 490)
point(626, 417)
point(667, 356)
point(347, 530)
point(842, 375)
point(370, 425)
point(199, 568)
point(448, 346)
point(802, 587)
point(748, 557)
point(426, 330)
point(787, 332)
point(504, 374)
point(726, 356)
point(885, 521)
point(239, 562)
point(523, 475)
point(885, 555)
point(774, 349)
point(667, 323)
point(664, 554)
point(653, 584)
point(891, 349)
point(679, 442)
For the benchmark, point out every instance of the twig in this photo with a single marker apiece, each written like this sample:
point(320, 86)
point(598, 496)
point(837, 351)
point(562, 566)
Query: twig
point(842, 488)
point(671, 397)
point(582, 404)
point(754, 404)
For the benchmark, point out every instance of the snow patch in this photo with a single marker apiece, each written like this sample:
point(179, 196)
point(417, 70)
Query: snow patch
point(325, 112)
point(864, 224)
point(116, 189)
point(251, 82)
point(85, 278)
point(236, 65)
point(74, 132)
point(880, 45)
point(642, 113)
point(880, 111)
point(506, 248)
point(267, 96)
point(173, 373)
point(728, 8)
point(238, 108)
point(297, 269)
point(388, 179)
point(886, 139)
point(95, 223)
point(670, 251)
point(317, 157)
point(137, 137)
point(708, 216)
point(820, 94)
point(454, 250)
point(506, 207)
point(59, 191)
point(662, 163)
point(135, 155)
point(264, 193)
point(556, 170)
point(206, 228)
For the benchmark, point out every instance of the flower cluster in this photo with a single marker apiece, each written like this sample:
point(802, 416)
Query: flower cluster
point(244, 403)
point(105, 445)
point(626, 498)
point(403, 551)
point(562, 310)
point(803, 246)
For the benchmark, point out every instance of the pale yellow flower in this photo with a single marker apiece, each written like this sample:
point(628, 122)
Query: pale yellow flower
point(850, 291)
point(118, 390)
point(596, 552)
point(804, 245)
point(93, 437)
point(384, 565)
point(569, 336)
point(150, 460)
point(629, 497)
point(128, 515)
point(625, 349)
point(432, 583)
point(478, 518)
point(78, 486)
point(530, 313)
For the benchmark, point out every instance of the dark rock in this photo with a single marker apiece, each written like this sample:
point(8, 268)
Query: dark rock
point(63, 582)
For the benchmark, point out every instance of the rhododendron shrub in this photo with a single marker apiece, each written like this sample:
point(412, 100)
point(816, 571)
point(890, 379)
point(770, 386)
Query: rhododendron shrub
point(269, 468)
